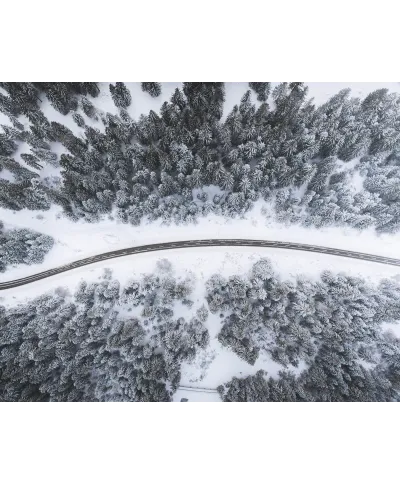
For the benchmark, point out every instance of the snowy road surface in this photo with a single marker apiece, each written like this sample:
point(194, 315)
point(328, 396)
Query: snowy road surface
point(199, 243)
point(196, 394)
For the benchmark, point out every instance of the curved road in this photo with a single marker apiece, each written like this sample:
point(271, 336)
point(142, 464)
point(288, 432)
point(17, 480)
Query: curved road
point(199, 243)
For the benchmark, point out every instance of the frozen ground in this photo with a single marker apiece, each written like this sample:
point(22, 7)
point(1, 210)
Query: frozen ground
point(196, 396)
point(77, 240)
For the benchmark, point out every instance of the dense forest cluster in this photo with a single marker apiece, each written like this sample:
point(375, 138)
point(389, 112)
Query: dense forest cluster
point(332, 326)
point(22, 246)
point(112, 342)
point(286, 151)
point(104, 343)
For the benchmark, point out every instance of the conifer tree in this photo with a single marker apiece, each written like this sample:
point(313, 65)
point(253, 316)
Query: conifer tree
point(121, 95)
point(262, 90)
point(7, 106)
point(61, 96)
point(88, 108)
point(78, 120)
point(24, 95)
point(31, 160)
point(7, 146)
point(154, 89)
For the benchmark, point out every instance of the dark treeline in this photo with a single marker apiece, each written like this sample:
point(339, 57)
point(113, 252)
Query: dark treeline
point(104, 343)
point(286, 151)
point(332, 326)
point(108, 342)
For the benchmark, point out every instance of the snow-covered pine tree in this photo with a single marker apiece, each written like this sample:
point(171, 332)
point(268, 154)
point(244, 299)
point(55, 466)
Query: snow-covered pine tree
point(78, 120)
point(31, 160)
point(154, 89)
point(262, 90)
point(121, 95)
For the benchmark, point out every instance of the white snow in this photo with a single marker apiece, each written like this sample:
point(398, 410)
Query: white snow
point(7, 175)
point(393, 328)
point(196, 396)
point(77, 240)
point(357, 181)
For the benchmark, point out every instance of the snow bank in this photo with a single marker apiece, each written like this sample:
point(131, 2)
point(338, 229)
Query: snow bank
point(196, 396)
point(77, 240)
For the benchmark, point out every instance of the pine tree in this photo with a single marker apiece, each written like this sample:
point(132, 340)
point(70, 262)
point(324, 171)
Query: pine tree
point(154, 89)
point(262, 90)
point(120, 94)
point(45, 155)
point(85, 88)
point(7, 106)
point(88, 108)
point(31, 160)
point(61, 96)
point(78, 120)
point(7, 146)
point(21, 246)
point(24, 95)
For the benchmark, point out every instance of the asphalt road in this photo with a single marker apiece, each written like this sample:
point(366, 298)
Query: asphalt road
point(199, 243)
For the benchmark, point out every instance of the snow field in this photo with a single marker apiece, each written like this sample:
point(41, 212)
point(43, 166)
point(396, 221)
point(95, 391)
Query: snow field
point(77, 240)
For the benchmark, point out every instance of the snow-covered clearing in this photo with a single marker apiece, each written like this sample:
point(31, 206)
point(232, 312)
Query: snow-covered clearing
point(7, 175)
point(393, 328)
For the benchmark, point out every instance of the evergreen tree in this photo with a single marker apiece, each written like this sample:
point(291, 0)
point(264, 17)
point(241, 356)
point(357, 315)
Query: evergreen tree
point(88, 108)
point(7, 106)
point(7, 146)
point(61, 96)
point(31, 160)
point(120, 94)
point(154, 89)
point(21, 246)
point(262, 90)
point(78, 120)
point(24, 96)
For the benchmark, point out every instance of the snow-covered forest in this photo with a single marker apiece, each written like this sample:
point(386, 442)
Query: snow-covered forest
point(138, 157)
point(328, 339)
point(97, 151)
point(300, 156)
